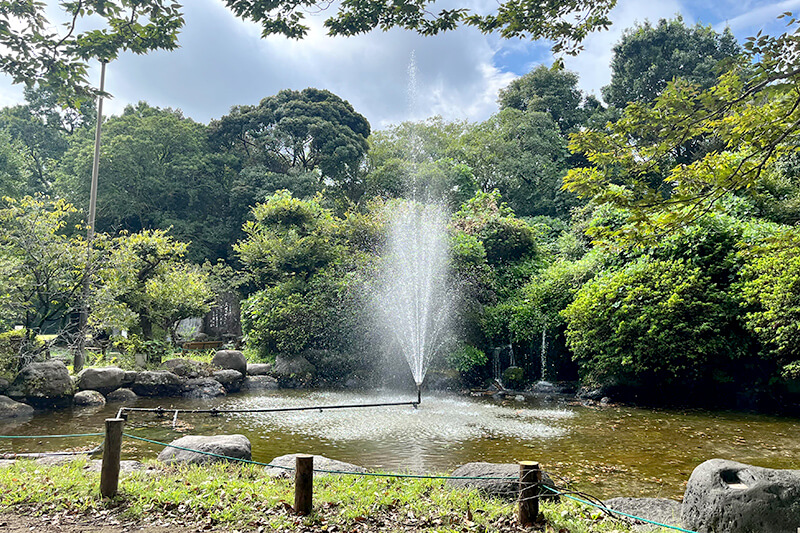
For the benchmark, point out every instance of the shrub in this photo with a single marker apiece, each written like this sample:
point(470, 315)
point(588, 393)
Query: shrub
point(653, 322)
point(16, 351)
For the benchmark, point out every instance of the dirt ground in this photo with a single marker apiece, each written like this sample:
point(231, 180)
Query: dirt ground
point(13, 523)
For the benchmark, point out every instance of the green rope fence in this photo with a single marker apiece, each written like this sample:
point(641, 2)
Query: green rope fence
point(614, 511)
point(365, 474)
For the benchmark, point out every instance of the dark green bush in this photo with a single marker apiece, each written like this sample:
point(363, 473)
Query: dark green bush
point(652, 323)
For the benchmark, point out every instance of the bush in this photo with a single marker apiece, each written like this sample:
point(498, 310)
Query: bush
point(513, 377)
point(16, 352)
point(652, 323)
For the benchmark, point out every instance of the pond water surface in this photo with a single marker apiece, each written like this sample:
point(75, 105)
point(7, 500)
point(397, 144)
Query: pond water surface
point(605, 451)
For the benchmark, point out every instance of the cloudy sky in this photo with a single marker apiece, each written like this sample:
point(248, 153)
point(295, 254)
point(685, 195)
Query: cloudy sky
point(224, 61)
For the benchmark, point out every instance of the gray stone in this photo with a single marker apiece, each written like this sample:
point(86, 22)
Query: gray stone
point(89, 397)
point(259, 383)
point(11, 409)
point(129, 378)
point(93, 465)
point(230, 379)
point(507, 488)
point(259, 369)
point(122, 395)
point(157, 383)
point(233, 446)
point(291, 367)
point(4, 384)
point(283, 464)
point(103, 379)
point(659, 510)
point(726, 496)
point(230, 359)
point(187, 368)
point(46, 384)
point(203, 388)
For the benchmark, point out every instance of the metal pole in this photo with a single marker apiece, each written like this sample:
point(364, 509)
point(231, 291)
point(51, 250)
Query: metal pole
point(79, 357)
point(96, 162)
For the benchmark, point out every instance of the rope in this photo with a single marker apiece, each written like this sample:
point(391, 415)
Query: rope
point(608, 509)
point(320, 470)
point(343, 472)
point(51, 436)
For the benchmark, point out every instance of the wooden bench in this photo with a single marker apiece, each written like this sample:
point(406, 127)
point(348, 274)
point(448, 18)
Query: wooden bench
point(202, 345)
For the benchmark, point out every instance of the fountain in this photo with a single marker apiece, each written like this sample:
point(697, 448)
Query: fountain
point(416, 300)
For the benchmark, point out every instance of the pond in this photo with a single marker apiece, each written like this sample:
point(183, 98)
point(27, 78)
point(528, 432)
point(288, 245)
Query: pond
point(606, 451)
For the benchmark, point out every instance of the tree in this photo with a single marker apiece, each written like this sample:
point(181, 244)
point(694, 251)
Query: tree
point(100, 29)
point(14, 167)
point(43, 269)
point(648, 57)
point(523, 155)
point(32, 53)
point(145, 282)
point(419, 160)
point(307, 266)
point(42, 128)
point(752, 113)
point(553, 91)
point(158, 172)
point(297, 132)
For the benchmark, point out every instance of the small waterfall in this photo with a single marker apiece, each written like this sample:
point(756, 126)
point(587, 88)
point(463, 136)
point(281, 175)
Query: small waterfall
point(545, 370)
point(497, 372)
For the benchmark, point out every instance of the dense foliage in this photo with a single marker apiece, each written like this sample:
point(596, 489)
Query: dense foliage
point(641, 242)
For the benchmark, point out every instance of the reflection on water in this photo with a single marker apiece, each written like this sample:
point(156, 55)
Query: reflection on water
point(611, 451)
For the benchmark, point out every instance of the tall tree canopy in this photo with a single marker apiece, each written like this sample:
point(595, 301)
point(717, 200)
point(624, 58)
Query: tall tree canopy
point(648, 57)
point(752, 114)
point(296, 132)
point(548, 90)
point(158, 172)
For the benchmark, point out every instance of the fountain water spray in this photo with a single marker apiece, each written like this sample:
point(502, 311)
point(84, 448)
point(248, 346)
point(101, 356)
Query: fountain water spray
point(416, 301)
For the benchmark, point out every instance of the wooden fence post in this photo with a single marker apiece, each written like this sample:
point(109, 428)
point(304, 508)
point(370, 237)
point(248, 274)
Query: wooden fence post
point(112, 452)
point(529, 479)
point(303, 484)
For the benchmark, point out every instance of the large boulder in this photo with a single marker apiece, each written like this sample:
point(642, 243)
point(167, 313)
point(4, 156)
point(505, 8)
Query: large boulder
point(187, 368)
point(259, 369)
point(4, 384)
point(230, 359)
point(283, 466)
point(103, 380)
point(11, 409)
point(86, 398)
point(229, 446)
point(507, 487)
point(259, 383)
point(659, 510)
point(293, 371)
point(726, 496)
point(46, 384)
point(157, 383)
point(229, 378)
point(202, 388)
point(123, 395)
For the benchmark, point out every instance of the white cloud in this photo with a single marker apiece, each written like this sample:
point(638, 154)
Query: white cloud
point(757, 17)
point(223, 62)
